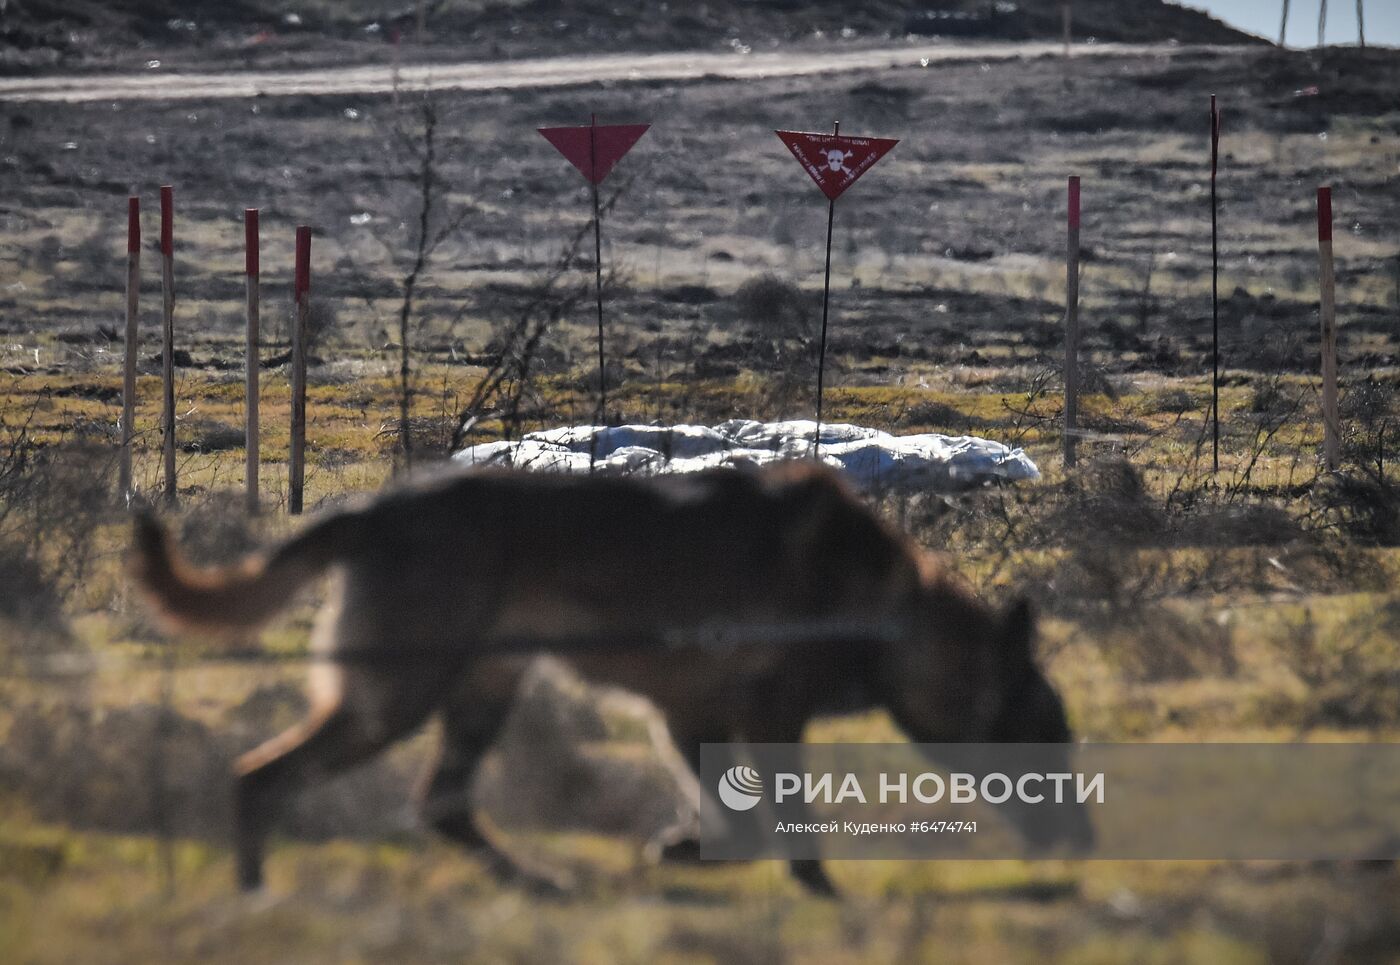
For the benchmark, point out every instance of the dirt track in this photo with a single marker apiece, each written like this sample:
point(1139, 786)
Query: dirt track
point(542, 72)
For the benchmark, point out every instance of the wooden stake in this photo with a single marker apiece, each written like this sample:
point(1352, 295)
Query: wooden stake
point(251, 428)
point(167, 352)
point(1331, 424)
point(1214, 290)
point(1072, 324)
point(297, 470)
point(133, 297)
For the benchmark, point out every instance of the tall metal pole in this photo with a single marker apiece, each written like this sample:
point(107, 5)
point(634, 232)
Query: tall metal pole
point(1321, 22)
point(1331, 424)
point(1283, 26)
point(1214, 289)
point(167, 258)
point(1072, 324)
point(251, 428)
point(133, 297)
point(1361, 23)
point(826, 300)
point(598, 265)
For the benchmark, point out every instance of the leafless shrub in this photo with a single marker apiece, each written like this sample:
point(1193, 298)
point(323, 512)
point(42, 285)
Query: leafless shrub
point(1270, 397)
point(1358, 506)
point(1369, 416)
point(508, 383)
point(1037, 408)
point(93, 768)
point(1351, 675)
point(212, 436)
point(774, 307)
point(1177, 401)
point(1108, 491)
point(779, 339)
point(322, 322)
point(30, 603)
point(1158, 643)
point(432, 436)
point(217, 528)
point(928, 412)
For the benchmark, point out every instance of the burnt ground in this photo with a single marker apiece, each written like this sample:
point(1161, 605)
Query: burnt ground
point(949, 254)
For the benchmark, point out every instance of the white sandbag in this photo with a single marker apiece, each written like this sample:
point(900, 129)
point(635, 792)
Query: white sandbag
point(873, 459)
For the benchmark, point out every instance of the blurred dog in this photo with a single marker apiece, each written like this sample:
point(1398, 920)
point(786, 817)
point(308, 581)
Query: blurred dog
point(442, 586)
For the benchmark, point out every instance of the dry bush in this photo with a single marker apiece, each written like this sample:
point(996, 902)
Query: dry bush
point(928, 412)
point(1356, 506)
point(209, 435)
point(217, 529)
point(1105, 501)
point(780, 340)
point(31, 606)
point(322, 323)
point(1352, 674)
point(431, 437)
point(114, 769)
point(773, 307)
point(1370, 424)
point(53, 502)
point(575, 756)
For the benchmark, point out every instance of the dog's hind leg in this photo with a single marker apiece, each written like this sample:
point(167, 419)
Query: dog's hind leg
point(472, 718)
point(362, 712)
point(326, 743)
point(470, 724)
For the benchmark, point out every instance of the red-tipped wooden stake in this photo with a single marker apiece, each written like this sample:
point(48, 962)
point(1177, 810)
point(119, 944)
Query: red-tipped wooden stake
point(250, 260)
point(133, 297)
point(167, 351)
point(1331, 424)
point(303, 300)
point(1072, 324)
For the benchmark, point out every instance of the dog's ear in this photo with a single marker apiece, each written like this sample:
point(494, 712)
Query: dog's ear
point(1018, 629)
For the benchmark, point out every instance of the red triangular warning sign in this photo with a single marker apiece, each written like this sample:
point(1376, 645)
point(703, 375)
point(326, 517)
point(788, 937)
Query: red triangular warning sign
point(835, 161)
point(594, 149)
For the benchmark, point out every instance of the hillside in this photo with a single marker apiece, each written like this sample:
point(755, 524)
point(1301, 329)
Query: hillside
point(69, 34)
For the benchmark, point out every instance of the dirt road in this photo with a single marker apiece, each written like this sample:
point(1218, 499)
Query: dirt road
point(542, 72)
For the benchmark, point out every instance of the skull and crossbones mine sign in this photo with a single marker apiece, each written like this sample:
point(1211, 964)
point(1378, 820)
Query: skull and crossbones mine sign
point(836, 160)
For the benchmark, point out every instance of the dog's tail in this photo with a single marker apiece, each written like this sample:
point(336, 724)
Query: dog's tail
point(238, 597)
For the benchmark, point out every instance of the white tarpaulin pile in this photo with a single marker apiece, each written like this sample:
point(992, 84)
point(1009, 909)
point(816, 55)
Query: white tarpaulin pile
point(871, 458)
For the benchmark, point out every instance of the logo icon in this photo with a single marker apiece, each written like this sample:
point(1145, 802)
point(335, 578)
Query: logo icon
point(740, 788)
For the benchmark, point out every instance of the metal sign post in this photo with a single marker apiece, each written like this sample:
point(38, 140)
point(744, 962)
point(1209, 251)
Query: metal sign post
point(1214, 289)
point(1072, 324)
point(1331, 423)
point(834, 163)
point(595, 151)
